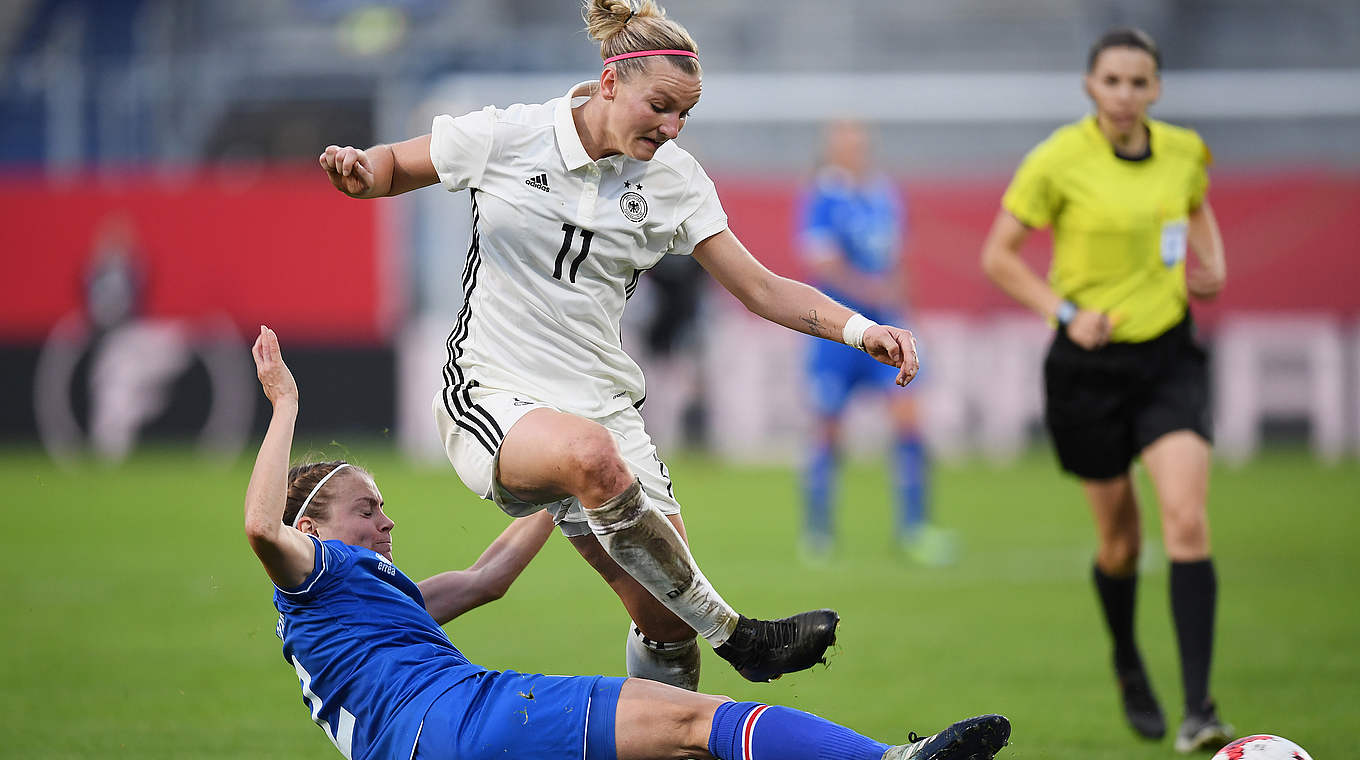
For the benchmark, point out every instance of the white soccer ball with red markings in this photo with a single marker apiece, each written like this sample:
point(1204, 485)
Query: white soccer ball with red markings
point(1262, 747)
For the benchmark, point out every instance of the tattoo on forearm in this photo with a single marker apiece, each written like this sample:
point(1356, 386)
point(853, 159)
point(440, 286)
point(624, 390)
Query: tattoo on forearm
point(814, 324)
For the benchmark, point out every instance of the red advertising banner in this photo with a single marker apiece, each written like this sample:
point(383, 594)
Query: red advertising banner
point(279, 246)
point(254, 245)
point(1290, 239)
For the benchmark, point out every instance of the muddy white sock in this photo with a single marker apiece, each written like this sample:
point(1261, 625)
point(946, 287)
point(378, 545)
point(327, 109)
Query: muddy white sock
point(645, 544)
point(675, 663)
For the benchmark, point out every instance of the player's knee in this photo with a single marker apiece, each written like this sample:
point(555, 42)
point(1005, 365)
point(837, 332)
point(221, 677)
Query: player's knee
point(596, 468)
point(828, 431)
point(694, 721)
point(1118, 554)
point(1186, 532)
point(905, 418)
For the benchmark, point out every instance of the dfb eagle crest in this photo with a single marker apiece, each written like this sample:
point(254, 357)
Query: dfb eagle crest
point(634, 206)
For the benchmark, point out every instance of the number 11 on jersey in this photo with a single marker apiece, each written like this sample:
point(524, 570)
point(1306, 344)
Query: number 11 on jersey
point(568, 232)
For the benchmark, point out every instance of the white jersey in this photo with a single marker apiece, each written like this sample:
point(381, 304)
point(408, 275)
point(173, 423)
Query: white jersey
point(558, 244)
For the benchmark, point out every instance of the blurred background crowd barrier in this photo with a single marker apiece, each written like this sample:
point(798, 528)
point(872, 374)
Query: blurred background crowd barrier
point(161, 200)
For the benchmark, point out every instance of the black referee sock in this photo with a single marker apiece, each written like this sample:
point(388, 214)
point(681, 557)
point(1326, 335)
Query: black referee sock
point(1194, 595)
point(1117, 597)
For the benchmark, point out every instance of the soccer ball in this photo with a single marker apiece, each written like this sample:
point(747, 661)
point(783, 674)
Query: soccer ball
point(1262, 747)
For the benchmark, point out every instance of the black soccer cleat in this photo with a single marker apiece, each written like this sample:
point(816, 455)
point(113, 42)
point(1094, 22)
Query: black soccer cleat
point(1140, 704)
point(1203, 731)
point(763, 650)
point(977, 738)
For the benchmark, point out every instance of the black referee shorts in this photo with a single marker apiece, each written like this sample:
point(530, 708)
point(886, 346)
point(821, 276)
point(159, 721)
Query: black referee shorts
point(1103, 407)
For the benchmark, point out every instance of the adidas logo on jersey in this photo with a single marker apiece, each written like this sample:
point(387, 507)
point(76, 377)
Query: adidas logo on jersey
point(540, 182)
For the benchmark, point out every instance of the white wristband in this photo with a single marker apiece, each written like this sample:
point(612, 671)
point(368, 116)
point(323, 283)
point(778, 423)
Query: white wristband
point(853, 334)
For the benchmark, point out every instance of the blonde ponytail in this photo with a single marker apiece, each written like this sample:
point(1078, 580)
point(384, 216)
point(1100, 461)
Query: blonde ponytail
point(621, 26)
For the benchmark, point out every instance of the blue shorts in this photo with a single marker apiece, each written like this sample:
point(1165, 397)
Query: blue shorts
point(501, 714)
point(837, 370)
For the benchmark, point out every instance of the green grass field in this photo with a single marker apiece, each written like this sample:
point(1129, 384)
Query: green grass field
point(141, 626)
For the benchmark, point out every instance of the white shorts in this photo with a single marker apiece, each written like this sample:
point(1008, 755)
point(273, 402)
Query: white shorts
point(473, 421)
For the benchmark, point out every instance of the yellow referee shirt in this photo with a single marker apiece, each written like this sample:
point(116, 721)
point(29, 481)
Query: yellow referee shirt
point(1119, 225)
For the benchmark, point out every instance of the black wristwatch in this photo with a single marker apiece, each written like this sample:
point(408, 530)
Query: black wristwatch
point(1067, 311)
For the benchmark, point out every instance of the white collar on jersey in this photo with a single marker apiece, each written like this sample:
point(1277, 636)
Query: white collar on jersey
point(568, 141)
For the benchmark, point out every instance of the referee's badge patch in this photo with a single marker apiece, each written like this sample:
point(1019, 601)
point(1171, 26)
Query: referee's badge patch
point(634, 206)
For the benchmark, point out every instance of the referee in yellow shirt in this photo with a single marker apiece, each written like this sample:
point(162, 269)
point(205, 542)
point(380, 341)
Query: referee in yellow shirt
point(1125, 378)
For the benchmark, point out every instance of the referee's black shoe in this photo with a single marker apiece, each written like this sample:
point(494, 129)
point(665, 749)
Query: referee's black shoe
point(977, 738)
point(763, 650)
point(1140, 704)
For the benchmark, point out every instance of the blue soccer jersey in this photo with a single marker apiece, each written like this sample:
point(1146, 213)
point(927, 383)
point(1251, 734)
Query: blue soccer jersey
point(369, 657)
point(861, 222)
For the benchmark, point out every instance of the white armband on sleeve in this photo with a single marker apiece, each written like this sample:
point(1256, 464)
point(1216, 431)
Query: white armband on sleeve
point(853, 334)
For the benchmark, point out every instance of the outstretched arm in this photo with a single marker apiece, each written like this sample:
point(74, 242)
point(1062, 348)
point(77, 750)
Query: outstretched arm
point(799, 306)
point(287, 554)
point(382, 170)
point(450, 594)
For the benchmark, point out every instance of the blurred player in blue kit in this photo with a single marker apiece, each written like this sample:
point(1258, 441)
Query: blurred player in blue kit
point(851, 226)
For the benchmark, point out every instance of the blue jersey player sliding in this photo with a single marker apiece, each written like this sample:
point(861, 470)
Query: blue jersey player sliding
point(381, 678)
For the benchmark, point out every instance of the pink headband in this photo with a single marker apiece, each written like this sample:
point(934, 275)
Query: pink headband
point(641, 53)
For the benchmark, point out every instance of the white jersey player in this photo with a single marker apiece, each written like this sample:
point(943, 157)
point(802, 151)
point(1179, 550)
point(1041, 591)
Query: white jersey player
point(573, 200)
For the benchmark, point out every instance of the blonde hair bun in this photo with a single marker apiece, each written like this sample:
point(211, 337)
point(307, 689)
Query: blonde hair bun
point(621, 26)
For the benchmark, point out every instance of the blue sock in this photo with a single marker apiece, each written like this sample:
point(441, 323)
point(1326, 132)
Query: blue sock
point(817, 481)
point(752, 731)
point(910, 476)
